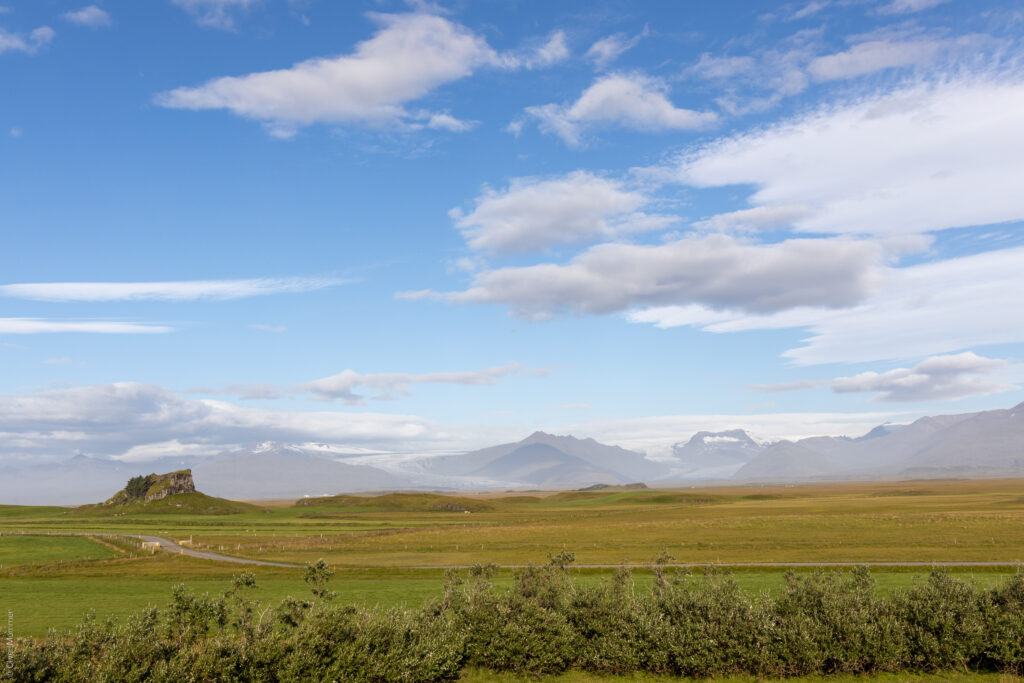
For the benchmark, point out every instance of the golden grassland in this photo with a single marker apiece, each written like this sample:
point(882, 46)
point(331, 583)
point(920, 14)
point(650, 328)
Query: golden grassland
point(377, 544)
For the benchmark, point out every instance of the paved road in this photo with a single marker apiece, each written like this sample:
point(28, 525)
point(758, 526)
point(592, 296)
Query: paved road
point(172, 547)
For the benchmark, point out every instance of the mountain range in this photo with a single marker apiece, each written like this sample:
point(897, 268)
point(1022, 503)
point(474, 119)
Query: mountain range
point(983, 444)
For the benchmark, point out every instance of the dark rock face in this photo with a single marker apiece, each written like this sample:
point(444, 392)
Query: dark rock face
point(169, 484)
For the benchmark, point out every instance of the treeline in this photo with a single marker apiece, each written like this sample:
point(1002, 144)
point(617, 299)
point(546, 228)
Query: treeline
point(820, 623)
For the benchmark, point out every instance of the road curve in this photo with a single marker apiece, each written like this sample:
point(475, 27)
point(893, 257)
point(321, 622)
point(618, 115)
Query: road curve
point(170, 546)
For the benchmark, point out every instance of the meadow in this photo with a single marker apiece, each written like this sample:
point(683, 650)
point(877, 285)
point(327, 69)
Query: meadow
point(392, 550)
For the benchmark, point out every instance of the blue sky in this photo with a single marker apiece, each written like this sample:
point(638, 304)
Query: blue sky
point(409, 227)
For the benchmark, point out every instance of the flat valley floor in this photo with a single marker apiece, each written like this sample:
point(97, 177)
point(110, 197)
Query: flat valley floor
point(394, 549)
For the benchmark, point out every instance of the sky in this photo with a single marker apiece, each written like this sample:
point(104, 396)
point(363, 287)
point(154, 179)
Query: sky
point(405, 227)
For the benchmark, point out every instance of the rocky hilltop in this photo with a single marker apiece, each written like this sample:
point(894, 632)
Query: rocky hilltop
point(154, 487)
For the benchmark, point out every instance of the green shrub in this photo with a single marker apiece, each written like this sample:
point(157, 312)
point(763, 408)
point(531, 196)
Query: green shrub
point(821, 623)
point(835, 623)
point(943, 622)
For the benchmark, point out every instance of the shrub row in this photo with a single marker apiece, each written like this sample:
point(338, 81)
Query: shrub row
point(819, 623)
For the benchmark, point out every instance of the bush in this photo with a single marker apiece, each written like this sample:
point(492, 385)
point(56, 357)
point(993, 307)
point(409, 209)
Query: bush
point(831, 623)
point(821, 623)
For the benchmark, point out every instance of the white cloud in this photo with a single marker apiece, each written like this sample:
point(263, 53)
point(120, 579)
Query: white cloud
point(214, 13)
point(171, 449)
point(57, 361)
point(606, 50)
point(908, 6)
point(939, 378)
point(917, 159)
point(189, 290)
point(532, 214)
point(269, 328)
point(871, 56)
point(17, 132)
point(915, 311)
point(714, 68)
point(383, 385)
point(554, 50)
point(129, 418)
point(136, 422)
point(756, 83)
point(630, 100)
point(88, 16)
point(448, 122)
point(42, 326)
point(808, 10)
point(408, 57)
point(42, 36)
point(36, 40)
point(343, 385)
point(716, 271)
point(757, 218)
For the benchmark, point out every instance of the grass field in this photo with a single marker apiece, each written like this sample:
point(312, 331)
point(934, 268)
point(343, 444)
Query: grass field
point(20, 550)
point(376, 543)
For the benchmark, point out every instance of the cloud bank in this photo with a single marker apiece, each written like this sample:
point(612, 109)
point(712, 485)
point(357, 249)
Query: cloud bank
point(939, 378)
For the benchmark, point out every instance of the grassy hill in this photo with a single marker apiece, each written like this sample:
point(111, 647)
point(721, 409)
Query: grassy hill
point(400, 502)
point(194, 503)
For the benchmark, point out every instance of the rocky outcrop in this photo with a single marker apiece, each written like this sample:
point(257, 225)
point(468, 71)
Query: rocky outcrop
point(154, 487)
point(169, 484)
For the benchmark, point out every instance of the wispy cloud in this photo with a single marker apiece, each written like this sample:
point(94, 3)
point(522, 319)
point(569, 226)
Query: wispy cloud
point(908, 6)
point(555, 49)
point(215, 13)
point(939, 378)
point(37, 39)
point(354, 388)
point(269, 328)
point(189, 290)
point(388, 385)
point(872, 56)
point(606, 50)
point(44, 326)
point(91, 16)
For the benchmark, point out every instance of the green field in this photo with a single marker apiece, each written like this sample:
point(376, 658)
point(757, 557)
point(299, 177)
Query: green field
point(392, 549)
point(20, 550)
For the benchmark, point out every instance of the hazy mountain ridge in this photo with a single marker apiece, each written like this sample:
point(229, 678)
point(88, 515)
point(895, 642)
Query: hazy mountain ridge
point(714, 455)
point(988, 443)
point(549, 460)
